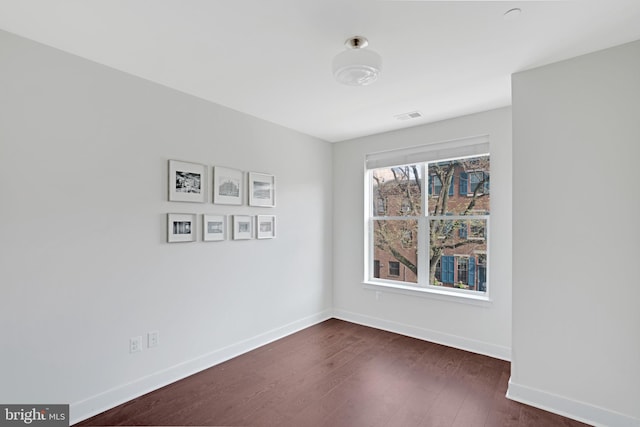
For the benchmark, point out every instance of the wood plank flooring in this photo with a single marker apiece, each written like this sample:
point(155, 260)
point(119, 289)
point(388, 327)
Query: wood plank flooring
point(339, 374)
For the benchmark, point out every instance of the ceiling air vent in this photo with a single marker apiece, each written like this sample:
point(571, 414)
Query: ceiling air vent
point(408, 116)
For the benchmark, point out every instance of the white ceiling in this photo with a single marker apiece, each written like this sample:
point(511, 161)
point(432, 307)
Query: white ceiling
point(272, 58)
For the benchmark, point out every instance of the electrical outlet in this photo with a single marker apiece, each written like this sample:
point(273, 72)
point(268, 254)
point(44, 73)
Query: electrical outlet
point(135, 344)
point(153, 339)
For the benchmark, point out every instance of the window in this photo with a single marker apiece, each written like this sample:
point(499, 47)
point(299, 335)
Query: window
point(430, 236)
point(406, 205)
point(407, 238)
point(463, 270)
point(476, 229)
point(394, 268)
point(473, 229)
point(435, 186)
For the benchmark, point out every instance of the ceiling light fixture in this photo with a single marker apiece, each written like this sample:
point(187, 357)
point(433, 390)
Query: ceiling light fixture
point(357, 66)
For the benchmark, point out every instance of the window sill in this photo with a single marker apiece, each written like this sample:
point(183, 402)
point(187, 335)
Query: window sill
point(431, 292)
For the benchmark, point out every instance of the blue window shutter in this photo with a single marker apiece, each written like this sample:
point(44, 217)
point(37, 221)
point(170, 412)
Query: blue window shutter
point(463, 186)
point(430, 185)
point(451, 187)
point(486, 183)
point(482, 278)
point(472, 271)
point(447, 269)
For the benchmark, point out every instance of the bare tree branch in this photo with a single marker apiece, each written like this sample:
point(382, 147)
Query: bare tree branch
point(404, 260)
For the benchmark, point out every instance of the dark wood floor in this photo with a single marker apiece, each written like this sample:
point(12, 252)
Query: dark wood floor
point(339, 374)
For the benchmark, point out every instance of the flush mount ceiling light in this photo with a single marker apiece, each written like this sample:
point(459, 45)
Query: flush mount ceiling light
point(357, 66)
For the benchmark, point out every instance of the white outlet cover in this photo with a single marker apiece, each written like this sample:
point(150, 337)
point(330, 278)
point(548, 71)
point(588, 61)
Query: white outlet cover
point(135, 344)
point(153, 339)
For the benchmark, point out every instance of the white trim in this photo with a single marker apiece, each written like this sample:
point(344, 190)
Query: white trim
point(462, 343)
point(576, 410)
point(118, 395)
point(436, 292)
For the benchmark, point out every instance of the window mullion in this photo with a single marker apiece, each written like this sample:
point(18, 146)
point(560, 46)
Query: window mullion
point(423, 231)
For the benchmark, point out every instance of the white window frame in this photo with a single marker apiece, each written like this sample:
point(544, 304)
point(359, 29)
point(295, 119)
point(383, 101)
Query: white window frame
point(442, 151)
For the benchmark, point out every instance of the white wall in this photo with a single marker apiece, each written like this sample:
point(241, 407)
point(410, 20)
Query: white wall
point(576, 318)
point(84, 264)
point(480, 328)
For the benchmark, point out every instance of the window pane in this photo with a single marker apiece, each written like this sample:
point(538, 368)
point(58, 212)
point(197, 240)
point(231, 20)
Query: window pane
point(459, 187)
point(395, 250)
point(394, 268)
point(397, 191)
point(458, 253)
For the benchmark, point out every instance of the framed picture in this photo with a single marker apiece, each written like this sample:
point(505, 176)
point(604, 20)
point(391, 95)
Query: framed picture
point(262, 189)
point(266, 226)
point(227, 186)
point(181, 228)
point(187, 182)
point(214, 228)
point(242, 227)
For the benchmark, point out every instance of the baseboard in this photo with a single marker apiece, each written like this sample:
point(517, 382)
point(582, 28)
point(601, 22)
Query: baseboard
point(474, 346)
point(106, 400)
point(580, 411)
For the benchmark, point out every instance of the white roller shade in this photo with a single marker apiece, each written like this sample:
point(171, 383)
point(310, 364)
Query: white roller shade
point(444, 150)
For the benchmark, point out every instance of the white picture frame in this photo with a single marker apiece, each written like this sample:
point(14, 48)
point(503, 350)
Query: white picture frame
point(262, 189)
point(228, 186)
point(242, 227)
point(181, 227)
point(265, 226)
point(187, 182)
point(214, 228)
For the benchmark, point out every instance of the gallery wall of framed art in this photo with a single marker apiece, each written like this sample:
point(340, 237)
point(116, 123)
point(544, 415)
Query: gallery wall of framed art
point(189, 182)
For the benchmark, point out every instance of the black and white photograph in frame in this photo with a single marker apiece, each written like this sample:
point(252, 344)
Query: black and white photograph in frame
point(214, 228)
point(266, 226)
point(181, 228)
point(242, 227)
point(187, 182)
point(227, 186)
point(262, 189)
